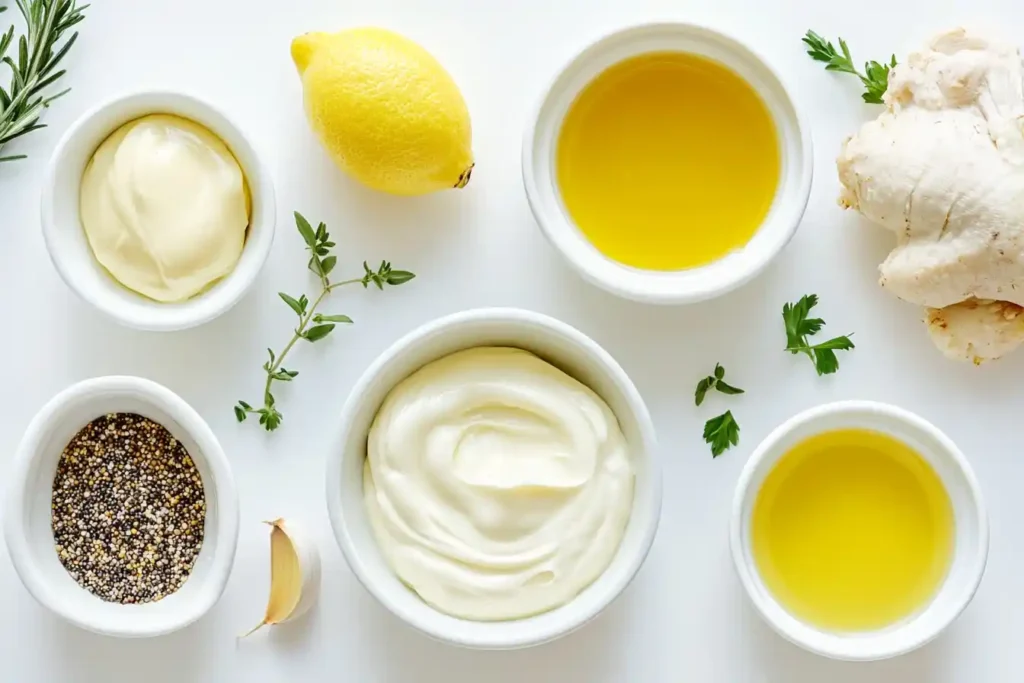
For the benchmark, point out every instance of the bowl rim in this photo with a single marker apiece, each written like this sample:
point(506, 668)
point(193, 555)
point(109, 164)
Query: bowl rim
point(336, 458)
point(226, 531)
point(205, 306)
point(562, 234)
point(853, 649)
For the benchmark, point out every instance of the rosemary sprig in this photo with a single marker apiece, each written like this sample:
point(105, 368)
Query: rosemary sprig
point(38, 54)
point(312, 326)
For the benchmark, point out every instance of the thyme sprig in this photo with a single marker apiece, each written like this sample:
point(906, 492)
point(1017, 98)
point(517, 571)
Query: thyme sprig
point(312, 326)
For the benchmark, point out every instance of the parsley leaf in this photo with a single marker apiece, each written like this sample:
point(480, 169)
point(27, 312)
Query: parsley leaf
point(722, 433)
point(876, 74)
point(702, 389)
point(716, 380)
point(727, 388)
point(799, 327)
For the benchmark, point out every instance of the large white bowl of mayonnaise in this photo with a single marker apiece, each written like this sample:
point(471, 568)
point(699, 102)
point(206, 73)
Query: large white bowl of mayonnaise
point(494, 482)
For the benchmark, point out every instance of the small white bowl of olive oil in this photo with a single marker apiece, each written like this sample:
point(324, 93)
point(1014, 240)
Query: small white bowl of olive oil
point(667, 163)
point(859, 531)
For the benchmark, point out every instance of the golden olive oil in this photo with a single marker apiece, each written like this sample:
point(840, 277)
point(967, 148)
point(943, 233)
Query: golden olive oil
point(668, 161)
point(853, 531)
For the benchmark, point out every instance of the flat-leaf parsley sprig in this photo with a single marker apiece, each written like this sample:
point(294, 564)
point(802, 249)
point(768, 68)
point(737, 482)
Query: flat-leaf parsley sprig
point(312, 326)
point(799, 327)
point(876, 74)
point(723, 431)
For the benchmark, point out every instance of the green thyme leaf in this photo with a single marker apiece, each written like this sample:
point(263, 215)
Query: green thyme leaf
point(315, 266)
point(399, 277)
point(285, 375)
point(318, 332)
point(331, 319)
point(292, 303)
point(306, 230)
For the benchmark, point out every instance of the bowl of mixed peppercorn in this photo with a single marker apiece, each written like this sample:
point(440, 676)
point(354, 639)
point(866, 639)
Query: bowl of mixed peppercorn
point(121, 512)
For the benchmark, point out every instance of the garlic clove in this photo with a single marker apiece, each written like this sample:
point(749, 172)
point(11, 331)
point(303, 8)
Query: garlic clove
point(309, 563)
point(294, 574)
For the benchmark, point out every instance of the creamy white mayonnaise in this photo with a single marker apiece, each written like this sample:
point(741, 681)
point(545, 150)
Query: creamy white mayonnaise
point(498, 487)
point(165, 207)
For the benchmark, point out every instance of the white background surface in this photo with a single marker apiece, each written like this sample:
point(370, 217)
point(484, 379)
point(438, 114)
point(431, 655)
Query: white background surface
point(685, 618)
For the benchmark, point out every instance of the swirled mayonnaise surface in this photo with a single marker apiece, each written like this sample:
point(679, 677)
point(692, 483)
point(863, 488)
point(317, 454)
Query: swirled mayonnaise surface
point(497, 486)
point(165, 207)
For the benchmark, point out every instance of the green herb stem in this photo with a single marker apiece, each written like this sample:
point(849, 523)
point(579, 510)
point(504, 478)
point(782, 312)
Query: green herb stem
point(799, 328)
point(300, 330)
point(875, 77)
point(39, 52)
point(321, 263)
point(720, 432)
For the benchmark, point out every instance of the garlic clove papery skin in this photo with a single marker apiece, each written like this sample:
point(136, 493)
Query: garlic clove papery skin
point(294, 574)
point(309, 566)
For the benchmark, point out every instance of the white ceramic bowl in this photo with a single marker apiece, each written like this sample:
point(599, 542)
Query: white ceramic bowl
point(971, 535)
point(667, 287)
point(560, 345)
point(70, 251)
point(27, 527)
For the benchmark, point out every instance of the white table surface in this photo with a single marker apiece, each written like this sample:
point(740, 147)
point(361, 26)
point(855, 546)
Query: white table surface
point(685, 618)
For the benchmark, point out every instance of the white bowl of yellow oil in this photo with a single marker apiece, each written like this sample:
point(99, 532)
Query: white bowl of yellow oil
point(859, 531)
point(667, 163)
point(69, 245)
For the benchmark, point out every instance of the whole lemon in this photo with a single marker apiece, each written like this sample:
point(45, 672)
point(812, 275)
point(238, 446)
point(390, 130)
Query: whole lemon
point(386, 110)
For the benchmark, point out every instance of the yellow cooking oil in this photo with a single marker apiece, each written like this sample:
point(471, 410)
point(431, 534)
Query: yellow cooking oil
point(853, 531)
point(668, 161)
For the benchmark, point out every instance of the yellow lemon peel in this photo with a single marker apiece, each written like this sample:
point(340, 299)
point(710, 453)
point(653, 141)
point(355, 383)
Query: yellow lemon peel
point(386, 110)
